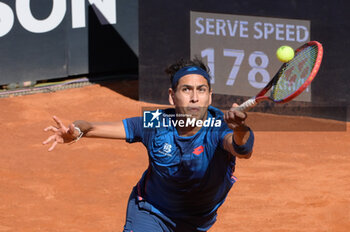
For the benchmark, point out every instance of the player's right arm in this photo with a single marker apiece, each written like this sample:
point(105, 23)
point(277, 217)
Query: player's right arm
point(111, 130)
point(63, 134)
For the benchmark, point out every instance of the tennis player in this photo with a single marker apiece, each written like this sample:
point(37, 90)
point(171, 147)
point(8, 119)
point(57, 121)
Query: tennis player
point(192, 152)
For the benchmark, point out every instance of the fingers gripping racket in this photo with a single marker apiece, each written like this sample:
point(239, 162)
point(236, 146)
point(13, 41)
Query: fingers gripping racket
point(292, 78)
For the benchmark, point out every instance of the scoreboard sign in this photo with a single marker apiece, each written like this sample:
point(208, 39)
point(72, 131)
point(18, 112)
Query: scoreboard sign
point(241, 50)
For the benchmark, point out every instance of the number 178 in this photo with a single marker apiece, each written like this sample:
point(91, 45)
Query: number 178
point(239, 56)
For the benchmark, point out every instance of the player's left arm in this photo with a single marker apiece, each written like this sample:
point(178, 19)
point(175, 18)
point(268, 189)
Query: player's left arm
point(240, 142)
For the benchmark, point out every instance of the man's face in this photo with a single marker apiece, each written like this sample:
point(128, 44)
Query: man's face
point(192, 96)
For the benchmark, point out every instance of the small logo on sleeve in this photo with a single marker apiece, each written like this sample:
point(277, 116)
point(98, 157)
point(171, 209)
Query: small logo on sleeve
point(198, 150)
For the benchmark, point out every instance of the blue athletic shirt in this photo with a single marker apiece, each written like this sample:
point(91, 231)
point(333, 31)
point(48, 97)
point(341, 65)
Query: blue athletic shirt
point(187, 176)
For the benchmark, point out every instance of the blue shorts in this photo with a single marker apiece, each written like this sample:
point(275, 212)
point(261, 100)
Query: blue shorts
point(141, 216)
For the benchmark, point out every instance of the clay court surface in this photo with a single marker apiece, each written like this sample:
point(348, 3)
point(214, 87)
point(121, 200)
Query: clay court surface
point(296, 181)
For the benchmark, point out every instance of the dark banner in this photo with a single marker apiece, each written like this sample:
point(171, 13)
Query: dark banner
point(167, 38)
point(45, 39)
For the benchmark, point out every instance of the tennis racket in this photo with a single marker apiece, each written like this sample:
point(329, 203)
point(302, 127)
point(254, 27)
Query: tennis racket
point(292, 78)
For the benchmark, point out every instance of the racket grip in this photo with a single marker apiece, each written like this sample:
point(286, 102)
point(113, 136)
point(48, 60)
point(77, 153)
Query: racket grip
point(247, 105)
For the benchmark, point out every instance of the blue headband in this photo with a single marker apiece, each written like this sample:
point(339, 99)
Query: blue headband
point(189, 70)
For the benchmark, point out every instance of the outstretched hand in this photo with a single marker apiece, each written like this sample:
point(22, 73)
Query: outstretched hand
point(234, 118)
point(62, 134)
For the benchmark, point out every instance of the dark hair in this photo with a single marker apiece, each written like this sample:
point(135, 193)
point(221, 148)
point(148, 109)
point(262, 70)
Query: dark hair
point(172, 69)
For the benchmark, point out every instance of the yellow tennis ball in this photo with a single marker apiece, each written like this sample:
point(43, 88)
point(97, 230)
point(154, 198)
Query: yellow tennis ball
point(285, 53)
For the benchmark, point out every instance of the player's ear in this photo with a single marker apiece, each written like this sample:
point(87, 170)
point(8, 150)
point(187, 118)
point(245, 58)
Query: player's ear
point(171, 93)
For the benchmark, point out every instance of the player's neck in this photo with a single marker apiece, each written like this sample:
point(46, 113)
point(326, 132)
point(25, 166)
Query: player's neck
point(187, 131)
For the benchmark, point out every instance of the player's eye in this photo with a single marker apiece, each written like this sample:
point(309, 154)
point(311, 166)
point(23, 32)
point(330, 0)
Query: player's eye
point(202, 89)
point(185, 89)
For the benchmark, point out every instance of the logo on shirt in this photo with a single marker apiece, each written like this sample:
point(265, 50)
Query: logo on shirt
point(166, 149)
point(198, 150)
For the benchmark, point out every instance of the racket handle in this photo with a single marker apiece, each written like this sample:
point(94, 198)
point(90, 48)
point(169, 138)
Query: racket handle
point(247, 105)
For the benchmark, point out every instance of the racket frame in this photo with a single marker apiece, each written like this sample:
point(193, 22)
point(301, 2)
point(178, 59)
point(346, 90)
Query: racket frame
point(312, 74)
point(261, 95)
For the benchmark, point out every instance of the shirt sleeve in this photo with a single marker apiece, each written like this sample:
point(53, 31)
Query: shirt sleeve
point(133, 129)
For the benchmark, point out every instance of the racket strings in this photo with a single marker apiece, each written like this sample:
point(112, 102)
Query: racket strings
point(295, 73)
